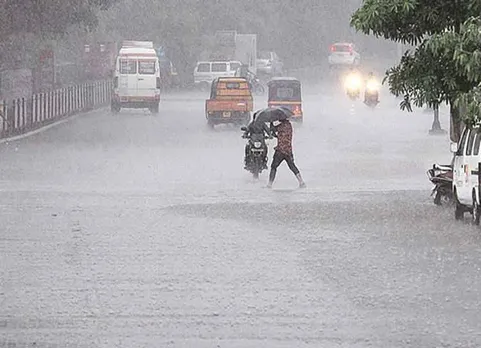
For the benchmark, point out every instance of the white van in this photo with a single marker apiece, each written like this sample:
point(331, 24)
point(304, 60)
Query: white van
point(465, 174)
point(206, 72)
point(137, 80)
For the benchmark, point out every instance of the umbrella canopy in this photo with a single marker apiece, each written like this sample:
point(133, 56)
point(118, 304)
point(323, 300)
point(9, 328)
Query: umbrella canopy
point(268, 115)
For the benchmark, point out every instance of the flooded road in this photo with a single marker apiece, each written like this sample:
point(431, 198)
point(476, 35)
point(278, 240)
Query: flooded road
point(140, 230)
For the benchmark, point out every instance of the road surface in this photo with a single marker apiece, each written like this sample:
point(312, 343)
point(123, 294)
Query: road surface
point(136, 230)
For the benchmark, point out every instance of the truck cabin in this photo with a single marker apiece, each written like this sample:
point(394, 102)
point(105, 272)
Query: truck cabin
point(229, 88)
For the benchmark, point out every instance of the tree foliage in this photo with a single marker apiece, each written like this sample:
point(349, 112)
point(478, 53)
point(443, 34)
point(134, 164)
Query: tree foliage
point(435, 71)
point(47, 16)
point(464, 46)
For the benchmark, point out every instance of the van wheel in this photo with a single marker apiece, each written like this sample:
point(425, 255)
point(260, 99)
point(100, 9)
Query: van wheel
point(459, 209)
point(476, 211)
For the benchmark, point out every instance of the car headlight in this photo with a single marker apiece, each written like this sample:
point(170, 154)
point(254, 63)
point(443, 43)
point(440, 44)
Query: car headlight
point(257, 144)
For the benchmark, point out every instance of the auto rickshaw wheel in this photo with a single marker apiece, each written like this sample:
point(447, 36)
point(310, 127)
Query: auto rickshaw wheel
point(210, 124)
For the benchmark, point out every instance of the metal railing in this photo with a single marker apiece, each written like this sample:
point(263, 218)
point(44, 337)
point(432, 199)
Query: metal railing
point(23, 115)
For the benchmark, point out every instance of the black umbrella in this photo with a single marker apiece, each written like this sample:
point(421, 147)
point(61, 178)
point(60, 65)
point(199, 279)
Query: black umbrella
point(268, 115)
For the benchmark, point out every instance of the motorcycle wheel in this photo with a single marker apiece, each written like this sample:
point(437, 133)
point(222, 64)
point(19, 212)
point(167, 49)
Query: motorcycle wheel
point(443, 199)
point(259, 90)
point(256, 170)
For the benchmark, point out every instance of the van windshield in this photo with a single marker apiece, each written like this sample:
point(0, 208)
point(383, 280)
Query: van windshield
point(234, 66)
point(219, 67)
point(147, 67)
point(128, 67)
point(203, 67)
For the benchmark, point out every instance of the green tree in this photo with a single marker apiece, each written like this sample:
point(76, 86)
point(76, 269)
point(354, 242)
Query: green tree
point(429, 74)
point(48, 17)
point(464, 45)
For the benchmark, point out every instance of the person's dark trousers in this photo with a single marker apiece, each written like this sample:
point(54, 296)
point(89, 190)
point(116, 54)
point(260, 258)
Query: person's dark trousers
point(280, 157)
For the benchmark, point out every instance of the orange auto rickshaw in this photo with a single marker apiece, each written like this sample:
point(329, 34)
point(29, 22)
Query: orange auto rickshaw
point(286, 91)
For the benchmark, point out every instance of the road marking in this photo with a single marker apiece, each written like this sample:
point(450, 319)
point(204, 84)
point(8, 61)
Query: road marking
point(45, 128)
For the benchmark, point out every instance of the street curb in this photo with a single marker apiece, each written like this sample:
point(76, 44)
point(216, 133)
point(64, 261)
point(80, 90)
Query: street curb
point(45, 128)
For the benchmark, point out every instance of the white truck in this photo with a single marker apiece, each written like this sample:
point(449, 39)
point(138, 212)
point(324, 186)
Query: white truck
point(246, 50)
point(137, 81)
point(228, 45)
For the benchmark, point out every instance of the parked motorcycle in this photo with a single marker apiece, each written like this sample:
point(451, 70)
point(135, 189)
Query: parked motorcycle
point(442, 178)
point(256, 153)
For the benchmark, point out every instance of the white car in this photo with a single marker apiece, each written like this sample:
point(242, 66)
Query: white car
point(343, 53)
point(465, 174)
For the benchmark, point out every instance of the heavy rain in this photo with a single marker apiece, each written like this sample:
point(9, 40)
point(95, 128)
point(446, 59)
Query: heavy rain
point(139, 207)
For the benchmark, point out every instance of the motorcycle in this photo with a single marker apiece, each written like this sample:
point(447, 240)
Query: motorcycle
point(256, 85)
point(442, 178)
point(353, 86)
point(256, 156)
point(371, 95)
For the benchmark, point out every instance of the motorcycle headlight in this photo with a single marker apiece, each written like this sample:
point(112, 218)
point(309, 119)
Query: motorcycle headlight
point(353, 82)
point(257, 144)
point(372, 86)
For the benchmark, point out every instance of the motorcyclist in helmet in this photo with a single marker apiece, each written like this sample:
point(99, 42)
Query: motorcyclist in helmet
point(259, 129)
point(370, 78)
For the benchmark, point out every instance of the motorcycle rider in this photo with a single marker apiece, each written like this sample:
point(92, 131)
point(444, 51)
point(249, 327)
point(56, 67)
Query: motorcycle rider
point(283, 152)
point(253, 128)
point(371, 87)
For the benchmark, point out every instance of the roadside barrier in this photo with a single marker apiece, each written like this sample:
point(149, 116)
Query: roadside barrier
point(23, 115)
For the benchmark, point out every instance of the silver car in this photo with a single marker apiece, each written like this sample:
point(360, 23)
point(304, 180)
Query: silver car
point(269, 63)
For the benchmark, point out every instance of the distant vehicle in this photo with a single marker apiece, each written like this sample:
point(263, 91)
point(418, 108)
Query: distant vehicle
point(206, 72)
point(98, 60)
point(269, 63)
point(137, 82)
point(342, 54)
